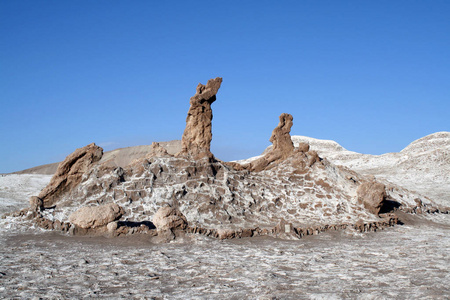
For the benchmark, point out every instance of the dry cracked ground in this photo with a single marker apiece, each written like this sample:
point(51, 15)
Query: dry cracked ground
point(405, 262)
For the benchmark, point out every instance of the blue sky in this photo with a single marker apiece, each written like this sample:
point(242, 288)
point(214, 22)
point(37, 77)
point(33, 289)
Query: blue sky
point(371, 75)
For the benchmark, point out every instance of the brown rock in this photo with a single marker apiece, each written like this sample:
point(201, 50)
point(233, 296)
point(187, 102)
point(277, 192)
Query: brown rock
point(158, 150)
point(224, 234)
point(112, 226)
point(313, 157)
point(197, 135)
point(303, 147)
point(372, 195)
point(281, 137)
point(96, 216)
point(36, 204)
point(282, 145)
point(69, 173)
point(283, 227)
point(169, 218)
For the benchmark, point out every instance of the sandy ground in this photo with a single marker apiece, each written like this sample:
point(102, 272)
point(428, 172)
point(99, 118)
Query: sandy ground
point(405, 262)
point(16, 190)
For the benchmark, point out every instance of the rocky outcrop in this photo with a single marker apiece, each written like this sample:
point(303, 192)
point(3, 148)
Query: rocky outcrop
point(288, 192)
point(69, 173)
point(372, 195)
point(282, 145)
point(281, 137)
point(36, 204)
point(157, 150)
point(96, 216)
point(197, 135)
point(169, 218)
point(423, 166)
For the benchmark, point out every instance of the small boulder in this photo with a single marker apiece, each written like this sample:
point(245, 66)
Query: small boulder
point(169, 218)
point(303, 147)
point(96, 216)
point(372, 195)
point(112, 226)
point(224, 234)
point(36, 204)
point(313, 157)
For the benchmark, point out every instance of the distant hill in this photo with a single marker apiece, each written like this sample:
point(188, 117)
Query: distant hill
point(423, 166)
point(119, 157)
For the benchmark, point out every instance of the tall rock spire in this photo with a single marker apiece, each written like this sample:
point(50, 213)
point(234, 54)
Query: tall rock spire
point(196, 140)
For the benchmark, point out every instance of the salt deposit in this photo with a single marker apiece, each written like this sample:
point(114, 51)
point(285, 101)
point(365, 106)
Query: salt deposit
point(15, 190)
point(404, 262)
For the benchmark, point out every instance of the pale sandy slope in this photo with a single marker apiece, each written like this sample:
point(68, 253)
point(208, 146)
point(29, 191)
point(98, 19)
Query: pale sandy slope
point(118, 157)
point(16, 189)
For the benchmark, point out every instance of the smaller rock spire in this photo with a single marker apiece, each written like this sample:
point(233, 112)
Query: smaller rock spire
point(281, 137)
point(282, 145)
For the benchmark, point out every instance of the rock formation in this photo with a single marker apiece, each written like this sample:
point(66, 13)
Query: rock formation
point(157, 149)
point(96, 216)
point(169, 218)
point(282, 145)
point(423, 166)
point(36, 203)
point(281, 137)
point(372, 195)
point(69, 173)
point(197, 135)
point(289, 192)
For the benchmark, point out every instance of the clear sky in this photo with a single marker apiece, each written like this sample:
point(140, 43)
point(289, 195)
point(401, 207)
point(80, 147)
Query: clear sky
point(371, 75)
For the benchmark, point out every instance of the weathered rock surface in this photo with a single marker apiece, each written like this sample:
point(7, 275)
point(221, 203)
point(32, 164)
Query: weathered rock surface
point(288, 186)
point(196, 140)
point(125, 156)
point(281, 137)
point(158, 150)
point(36, 203)
point(372, 195)
point(96, 216)
point(213, 195)
point(69, 173)
point(282, 145)
point(169, 218)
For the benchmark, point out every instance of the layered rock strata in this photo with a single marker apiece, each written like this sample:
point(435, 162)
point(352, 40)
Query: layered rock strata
point(69, 173)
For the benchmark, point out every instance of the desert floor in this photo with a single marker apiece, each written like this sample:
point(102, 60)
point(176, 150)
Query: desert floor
point(410, 261)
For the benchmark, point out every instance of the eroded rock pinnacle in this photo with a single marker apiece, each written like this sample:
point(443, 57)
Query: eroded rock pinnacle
point(196, 140)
